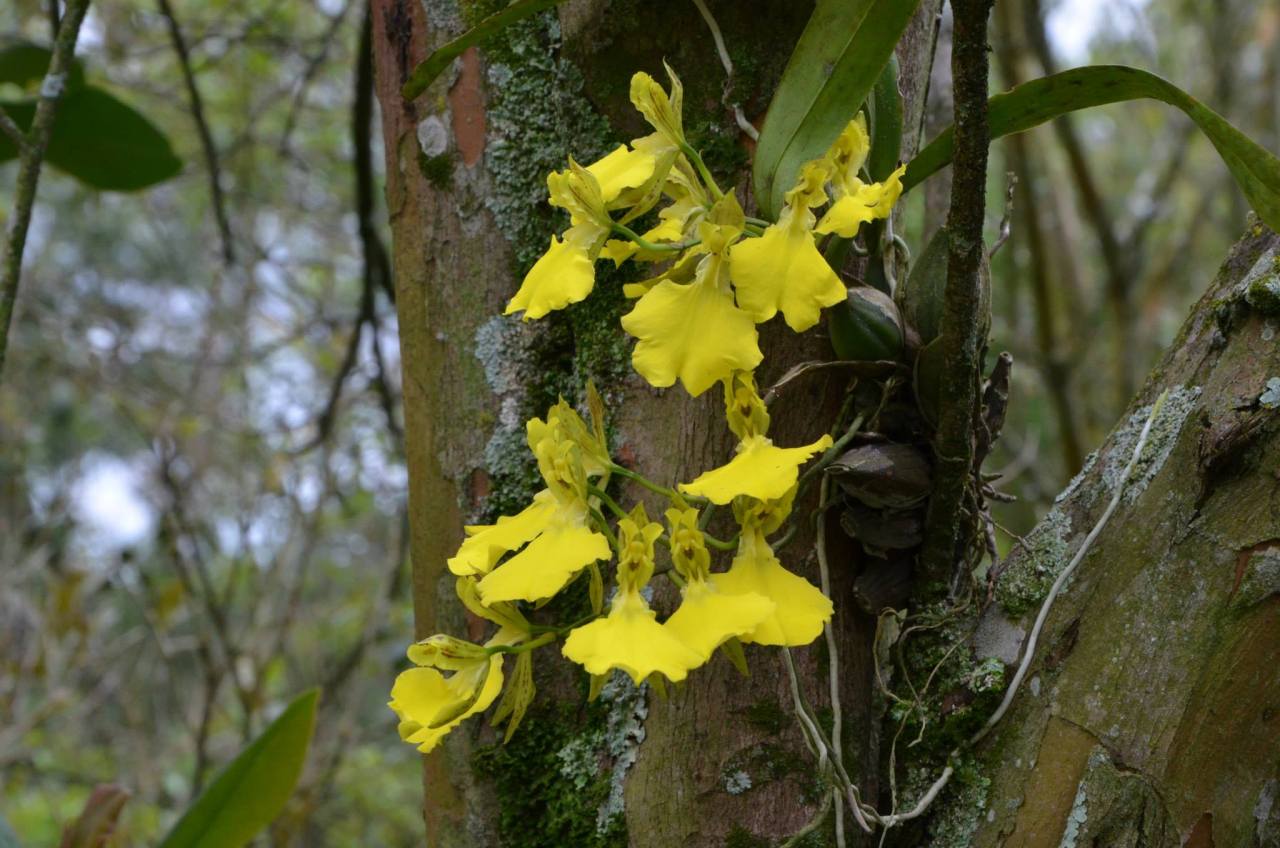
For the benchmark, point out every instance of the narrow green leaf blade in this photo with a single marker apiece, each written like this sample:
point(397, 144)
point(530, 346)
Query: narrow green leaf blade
point(1255, 170)
point(252, 790)
point(101, 141)
point(432, 66)
point(886, 123)
point(837, 61)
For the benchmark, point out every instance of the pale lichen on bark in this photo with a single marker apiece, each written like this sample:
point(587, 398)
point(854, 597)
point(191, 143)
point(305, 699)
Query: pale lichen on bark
point(1153, 675)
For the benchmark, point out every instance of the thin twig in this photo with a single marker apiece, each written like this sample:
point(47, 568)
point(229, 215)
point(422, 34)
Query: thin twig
point(30, 162)
point(314, 64)
point(376, 267)
point(1006, 222)
point(14, 132)
point(202, 129)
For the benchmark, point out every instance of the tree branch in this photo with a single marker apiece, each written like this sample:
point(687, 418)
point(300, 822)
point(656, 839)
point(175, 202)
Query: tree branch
point(202, 128)
point(31, 158)
point(15, 133)
point(1056, 370)
point(376, 269)
point(961, 318)
point(1114, 255)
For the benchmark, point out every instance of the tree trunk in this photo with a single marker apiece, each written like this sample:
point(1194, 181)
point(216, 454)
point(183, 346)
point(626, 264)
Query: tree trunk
point(719, 760)
point(1151, 713)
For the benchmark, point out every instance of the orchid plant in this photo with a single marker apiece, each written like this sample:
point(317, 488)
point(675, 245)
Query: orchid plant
point(694, 322)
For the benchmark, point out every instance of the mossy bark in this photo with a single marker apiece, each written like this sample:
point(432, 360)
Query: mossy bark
point(1152, 710)
point(721, 761)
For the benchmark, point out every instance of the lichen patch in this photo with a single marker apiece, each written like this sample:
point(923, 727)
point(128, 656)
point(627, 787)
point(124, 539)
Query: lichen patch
point(1165, 429)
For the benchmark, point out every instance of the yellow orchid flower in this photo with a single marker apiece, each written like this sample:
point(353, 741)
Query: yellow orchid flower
point(563, 275)
point(565, 423)
point(857, 202)
point(800, 608)
point(707, 617)
point(487, 543)
point(660, 109)
point(744, 410)
point(629, 637)
point(695, 333)
point(513, 627)
point(554, 530)
point(625, 167)
point(429, 704)
point(783, 270)
point(548, 563)
point(760, 470)
point(689, 205)
point(566, 273)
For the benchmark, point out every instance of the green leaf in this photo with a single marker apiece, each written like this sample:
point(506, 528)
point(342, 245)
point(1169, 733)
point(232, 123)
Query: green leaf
point(1256, 171)
point(252, 790)
point(431, 67)
point(837, 61)
point(23, 63)
point(101, 141)
point(886, 123)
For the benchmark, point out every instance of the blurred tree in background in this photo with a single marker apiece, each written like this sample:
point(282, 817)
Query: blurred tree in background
point(201, 483)
point(202, 503)
point(1119, 216)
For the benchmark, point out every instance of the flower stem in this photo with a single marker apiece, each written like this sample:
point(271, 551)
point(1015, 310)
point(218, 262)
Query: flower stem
point(693, 156)
point(655, 487)
point(613, 505)
point(631, 235)
point(729, 544)
point(522, 647)
point(603, 526)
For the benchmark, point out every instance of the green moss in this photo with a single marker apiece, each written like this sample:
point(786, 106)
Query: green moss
point(767, 716)
point(538, 116)
point(550, 780)
point(767, 762)
point(559, 780)
point(740, 837)
point(963, 691)
point(960, 808)
point(438, 169)
point(1263, 293)
point(474, 11)
point(720, 147)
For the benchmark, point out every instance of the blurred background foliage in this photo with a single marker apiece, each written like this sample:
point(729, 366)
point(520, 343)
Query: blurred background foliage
point(194, 526)
point(201, 480)
point(1120, 215)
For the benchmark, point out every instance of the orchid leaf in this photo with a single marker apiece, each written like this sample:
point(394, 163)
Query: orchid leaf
point(1255, 170)
point(431, 67)
point(836, 63)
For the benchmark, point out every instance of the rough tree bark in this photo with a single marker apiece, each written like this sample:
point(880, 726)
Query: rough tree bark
point(1153, 708)
point(719, 760)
